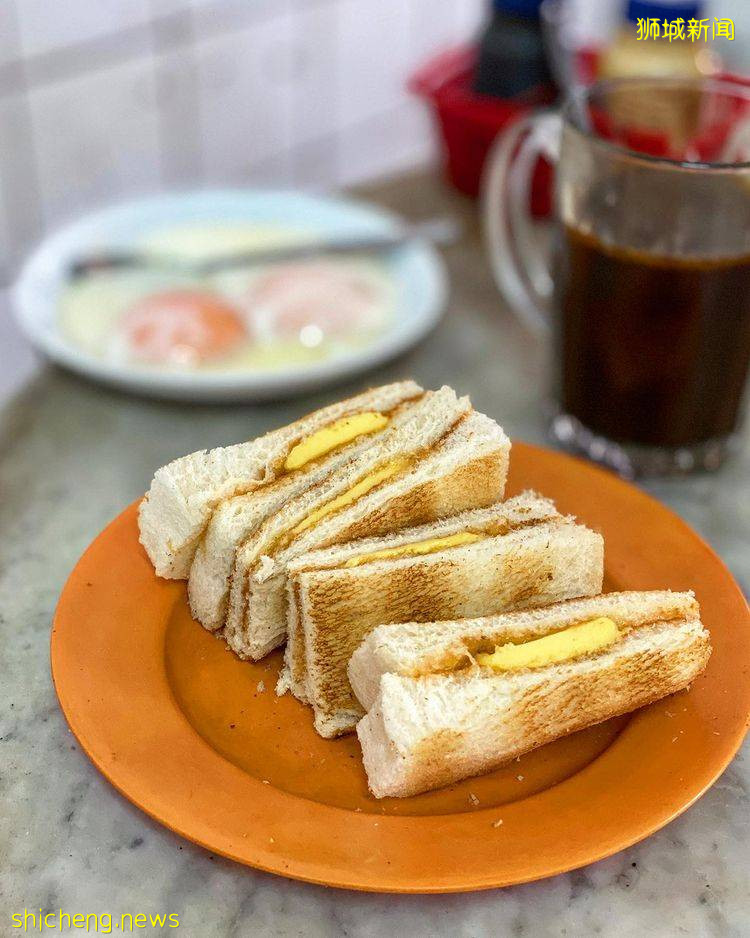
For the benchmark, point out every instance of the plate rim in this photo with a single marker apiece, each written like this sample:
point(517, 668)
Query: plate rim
point(369, 883)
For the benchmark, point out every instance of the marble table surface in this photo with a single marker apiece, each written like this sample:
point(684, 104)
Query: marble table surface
point(73, 454)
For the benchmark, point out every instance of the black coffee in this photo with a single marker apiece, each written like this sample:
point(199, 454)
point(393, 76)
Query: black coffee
point(652, 350)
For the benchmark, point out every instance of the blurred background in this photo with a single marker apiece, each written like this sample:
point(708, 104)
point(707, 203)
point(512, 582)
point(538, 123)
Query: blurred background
point(102, 100)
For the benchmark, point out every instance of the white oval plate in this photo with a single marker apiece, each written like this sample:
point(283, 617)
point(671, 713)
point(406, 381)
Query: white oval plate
point(416, 268)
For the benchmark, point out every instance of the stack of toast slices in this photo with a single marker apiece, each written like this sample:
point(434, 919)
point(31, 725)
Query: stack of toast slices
point(452, 629)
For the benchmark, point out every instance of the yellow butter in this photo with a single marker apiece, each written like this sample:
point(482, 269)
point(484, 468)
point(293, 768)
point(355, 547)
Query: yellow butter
point(570, 643)
point(417, 549)
point(337, 434)
point(362, 487)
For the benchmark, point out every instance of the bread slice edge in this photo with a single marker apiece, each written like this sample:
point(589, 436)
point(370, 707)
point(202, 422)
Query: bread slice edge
point(424, 733)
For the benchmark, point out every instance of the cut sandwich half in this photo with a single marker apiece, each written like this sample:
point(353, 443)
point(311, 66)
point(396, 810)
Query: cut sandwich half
point(456, 699)
point(238, 519)
point(414, 476)
point(184, 493)
point(513, 555)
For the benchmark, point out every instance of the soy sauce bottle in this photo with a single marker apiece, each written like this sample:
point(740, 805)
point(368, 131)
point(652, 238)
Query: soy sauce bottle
point(511, 56)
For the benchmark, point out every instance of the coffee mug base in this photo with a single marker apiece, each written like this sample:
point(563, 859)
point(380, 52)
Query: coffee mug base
point(632, 460)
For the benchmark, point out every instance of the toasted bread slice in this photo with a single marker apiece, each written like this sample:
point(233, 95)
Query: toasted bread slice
point(414, 649)
point(431, 728)
point(534, 557)
point(429, 419)
point(452, 472)
point(499, 518)
point(237, 519)
point(183, 494)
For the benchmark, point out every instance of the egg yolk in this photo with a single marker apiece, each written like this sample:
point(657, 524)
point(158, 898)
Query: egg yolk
point(182, 327)
point(326, 297)
point(417, 549)
point(365, 484)
point(574, 642)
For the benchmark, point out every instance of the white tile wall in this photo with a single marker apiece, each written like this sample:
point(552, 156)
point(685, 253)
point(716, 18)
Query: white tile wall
point(316, 42)
point(179, 118)
point(393, 140)
point(9, 41)
point(470, 18)
point(245, 98)
point(6, 247)
point(737, 52)
point(96, 138)
point(186, 92)
point(19, 194)
point(215, 17)
point(373, 58)
point(434, 26)
point(316, 163)
point(54, 24)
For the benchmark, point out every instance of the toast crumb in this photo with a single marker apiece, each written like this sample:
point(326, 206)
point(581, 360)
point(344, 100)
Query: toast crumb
point(473, 799)
point(498, 822)
point(519, 777)
point(261, 687)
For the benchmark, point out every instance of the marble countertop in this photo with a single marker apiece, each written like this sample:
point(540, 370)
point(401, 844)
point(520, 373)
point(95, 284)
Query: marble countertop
point(73, 454)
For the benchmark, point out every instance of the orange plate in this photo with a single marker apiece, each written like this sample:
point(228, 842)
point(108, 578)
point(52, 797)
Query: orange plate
point(199, 740)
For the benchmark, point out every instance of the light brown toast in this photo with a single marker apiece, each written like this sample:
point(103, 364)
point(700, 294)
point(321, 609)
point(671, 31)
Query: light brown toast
point(184, 493)
point(466, 468)
point(535, 562)
point(428, 731)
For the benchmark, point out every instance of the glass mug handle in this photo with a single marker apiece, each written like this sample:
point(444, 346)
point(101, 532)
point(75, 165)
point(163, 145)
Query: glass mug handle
point(519, 263)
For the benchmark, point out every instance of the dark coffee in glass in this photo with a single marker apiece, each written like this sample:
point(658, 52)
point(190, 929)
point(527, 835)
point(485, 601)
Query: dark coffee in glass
point(648, 289)
point(651, 350)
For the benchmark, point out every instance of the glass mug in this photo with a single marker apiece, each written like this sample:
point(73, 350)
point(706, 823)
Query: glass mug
point(647, 290)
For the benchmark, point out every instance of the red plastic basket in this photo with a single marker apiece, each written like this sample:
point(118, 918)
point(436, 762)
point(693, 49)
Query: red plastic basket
point(469, 122)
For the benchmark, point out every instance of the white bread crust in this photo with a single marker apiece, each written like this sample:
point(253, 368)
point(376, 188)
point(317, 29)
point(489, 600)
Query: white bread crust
point(544, 563)
point(183, 493)
point(427, 732)
point(413, 648)
point(465, 468)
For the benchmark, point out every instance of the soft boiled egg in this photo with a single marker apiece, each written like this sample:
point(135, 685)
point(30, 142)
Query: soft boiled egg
point(316, 298)
point(256, 317)
point(181, 328)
